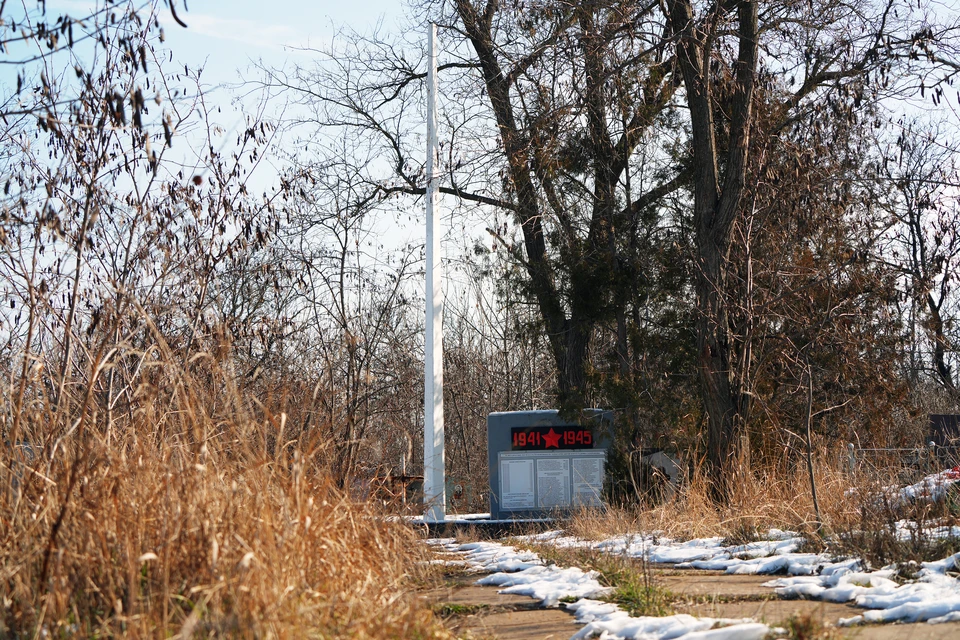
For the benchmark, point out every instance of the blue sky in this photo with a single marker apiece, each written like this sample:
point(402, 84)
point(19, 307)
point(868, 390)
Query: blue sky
point(226, 36)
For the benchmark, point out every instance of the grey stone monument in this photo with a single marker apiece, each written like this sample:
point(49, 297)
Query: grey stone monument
point(542, 466)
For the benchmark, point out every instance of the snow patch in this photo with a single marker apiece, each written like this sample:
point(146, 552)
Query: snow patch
point(931, 488)
point(609, 621)
point(524, 573)
point(933, 597)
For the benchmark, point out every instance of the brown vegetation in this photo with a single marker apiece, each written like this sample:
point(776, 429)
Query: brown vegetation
point(761, 500)
point(195, 514)
point(859, 514)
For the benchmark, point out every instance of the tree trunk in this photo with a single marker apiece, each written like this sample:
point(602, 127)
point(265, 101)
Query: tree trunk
point(585, 293)
point(515, 146)
point(717, 200)
point(725, 420)
point(940, 341)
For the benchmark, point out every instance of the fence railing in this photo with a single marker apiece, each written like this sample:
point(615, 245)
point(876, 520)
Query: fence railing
point(909, 464)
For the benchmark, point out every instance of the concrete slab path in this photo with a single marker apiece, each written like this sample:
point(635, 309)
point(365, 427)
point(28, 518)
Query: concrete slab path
point(473, 611)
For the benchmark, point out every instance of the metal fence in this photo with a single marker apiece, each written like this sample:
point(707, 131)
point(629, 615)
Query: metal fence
point(902, 464)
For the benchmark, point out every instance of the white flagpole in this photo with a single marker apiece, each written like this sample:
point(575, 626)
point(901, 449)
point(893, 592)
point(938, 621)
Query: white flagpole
point(434, 491)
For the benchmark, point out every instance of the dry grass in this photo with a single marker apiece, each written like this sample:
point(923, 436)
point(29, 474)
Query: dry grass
point(195, 516)
point(810, 627)
point(859, 518)
point(763, 499)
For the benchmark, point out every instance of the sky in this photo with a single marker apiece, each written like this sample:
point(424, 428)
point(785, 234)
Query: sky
point(226, 37)
point(230, 39)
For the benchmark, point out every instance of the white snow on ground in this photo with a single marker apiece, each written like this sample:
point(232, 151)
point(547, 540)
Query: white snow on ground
point(609, 621)
point(933, 487)
point(934, 596)
point(548, 584)
point(908, 530)
point(488, 557)
point(453, 518)
point(776, 553)
point(524, 573)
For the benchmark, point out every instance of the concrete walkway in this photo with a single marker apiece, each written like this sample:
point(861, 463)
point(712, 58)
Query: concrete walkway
point(480, 612)
point(488, 614)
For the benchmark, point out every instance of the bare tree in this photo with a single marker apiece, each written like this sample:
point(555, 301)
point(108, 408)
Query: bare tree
point(108, 245)
point(920, 173)
point(68, 138)
point(568, 94)
point(353, 295)
point(565, 120)
point(729, 56)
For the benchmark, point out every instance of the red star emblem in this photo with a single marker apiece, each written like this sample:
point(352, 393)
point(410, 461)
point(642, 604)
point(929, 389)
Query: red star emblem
point(552, 438)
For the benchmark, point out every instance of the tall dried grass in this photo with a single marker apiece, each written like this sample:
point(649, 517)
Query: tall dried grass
point(199, 513)
point(862, 514)
point(761, 499)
